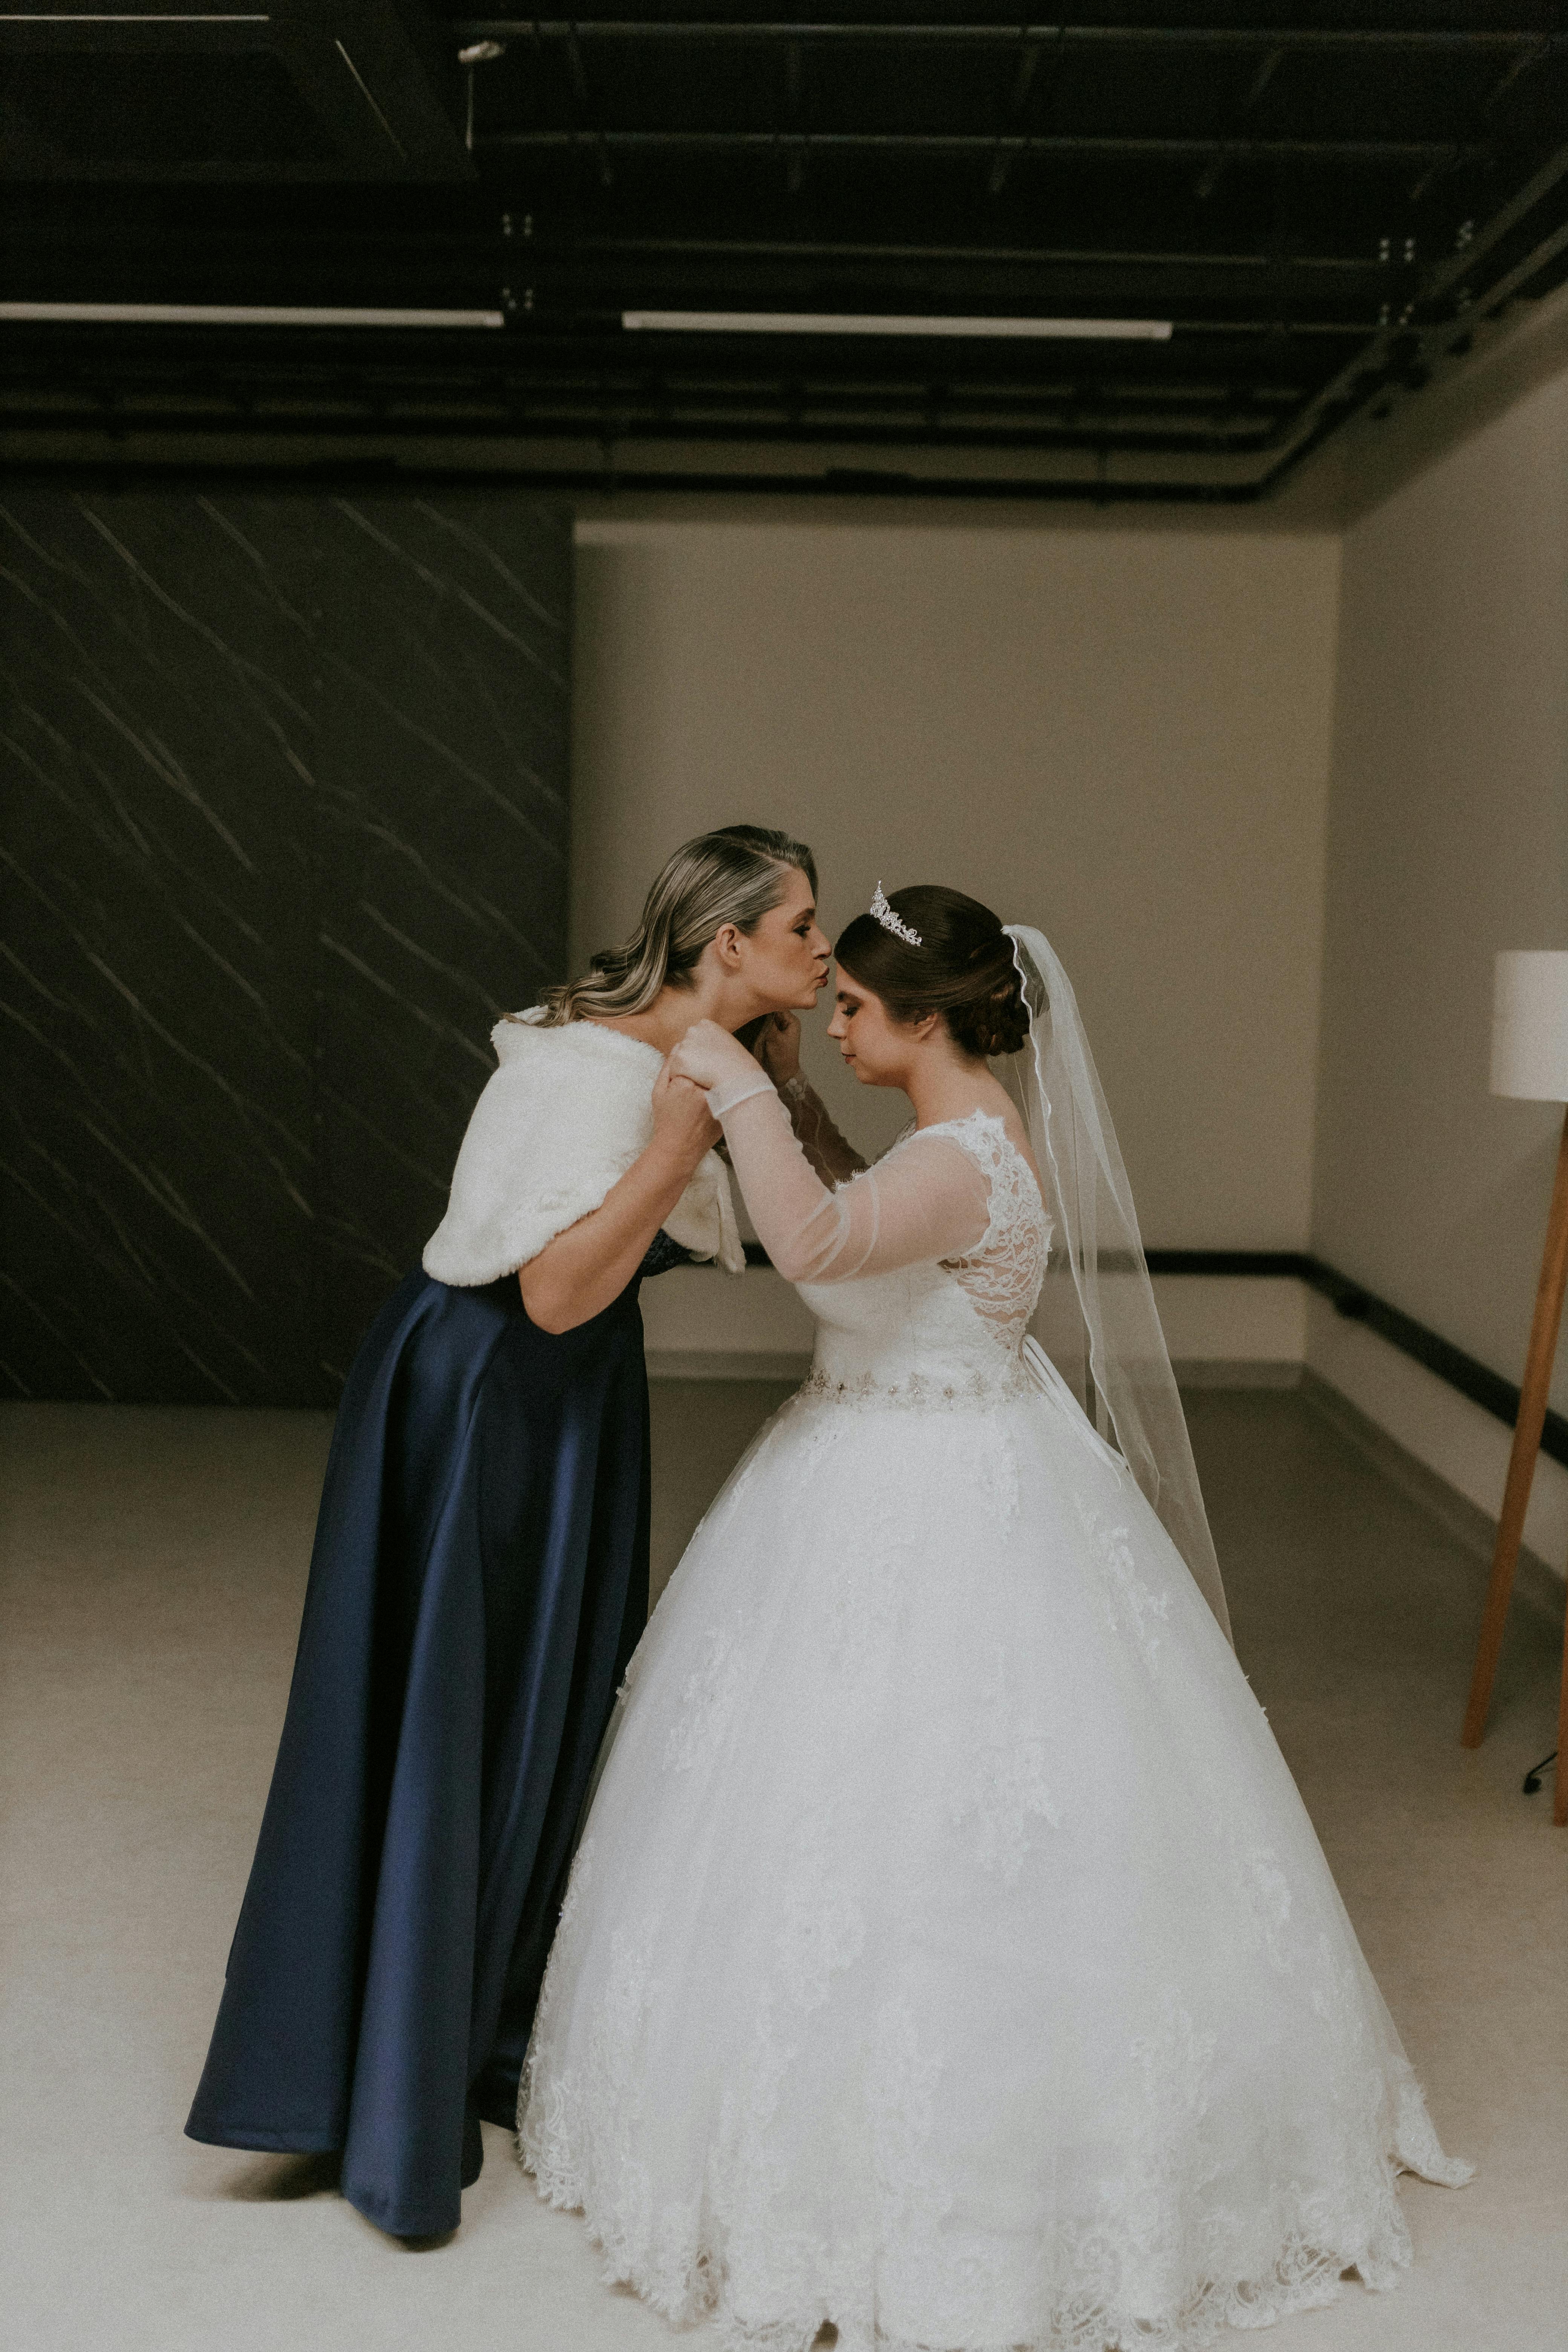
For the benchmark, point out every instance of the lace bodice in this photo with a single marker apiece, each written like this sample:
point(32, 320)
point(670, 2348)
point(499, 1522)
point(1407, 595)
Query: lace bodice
point(950, 1331)
point(921, 1271)
point(1003, 1275)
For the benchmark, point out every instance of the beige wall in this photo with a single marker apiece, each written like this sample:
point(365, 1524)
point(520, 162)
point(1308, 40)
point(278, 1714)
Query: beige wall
point(1121, 734)
point(1447, 839)
point(1126, 733)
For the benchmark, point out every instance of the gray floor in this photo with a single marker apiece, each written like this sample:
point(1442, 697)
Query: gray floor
point(153, 1563)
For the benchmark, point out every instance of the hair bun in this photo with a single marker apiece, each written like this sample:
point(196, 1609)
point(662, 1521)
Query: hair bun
point(994, 1024)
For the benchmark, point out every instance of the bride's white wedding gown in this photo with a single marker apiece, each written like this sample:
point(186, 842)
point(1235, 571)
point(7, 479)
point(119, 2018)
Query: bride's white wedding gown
point(949, 1955)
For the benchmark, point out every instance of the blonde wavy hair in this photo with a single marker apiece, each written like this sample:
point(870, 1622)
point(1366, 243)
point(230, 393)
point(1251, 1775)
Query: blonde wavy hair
point(733, 875)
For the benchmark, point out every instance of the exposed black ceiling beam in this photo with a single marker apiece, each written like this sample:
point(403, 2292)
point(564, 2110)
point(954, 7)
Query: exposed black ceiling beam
point(610, 477)
point(1347, 150)
point(578, 68)
point(1540, 257)
point(1025, 75)
point(1435, 39)
point(377, 80)
point(359, 416)
point(34, 30)
point(794, 116)
point(1360, 380)
point(1532, 53)
point(365, 416)
point(1209, 179)
point(1326, 212)
point(1032, 256)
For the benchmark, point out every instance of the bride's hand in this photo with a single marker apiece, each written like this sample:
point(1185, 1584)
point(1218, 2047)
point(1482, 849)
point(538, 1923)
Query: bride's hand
point(682, 1122)
point(708, 1055)
point(778, 1047)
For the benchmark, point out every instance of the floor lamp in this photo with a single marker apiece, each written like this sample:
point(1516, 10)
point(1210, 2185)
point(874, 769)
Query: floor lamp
point(1530, 1061)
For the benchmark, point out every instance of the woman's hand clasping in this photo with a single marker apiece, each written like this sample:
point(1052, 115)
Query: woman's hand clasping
point(778, 1047)
point(708, 1055)
point(682, 1122)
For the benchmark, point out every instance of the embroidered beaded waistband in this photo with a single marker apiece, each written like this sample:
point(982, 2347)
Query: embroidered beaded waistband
point(928, 1390)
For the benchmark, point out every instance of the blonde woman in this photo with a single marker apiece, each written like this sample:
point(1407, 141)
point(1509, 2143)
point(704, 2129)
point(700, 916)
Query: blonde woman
point(479, 1578)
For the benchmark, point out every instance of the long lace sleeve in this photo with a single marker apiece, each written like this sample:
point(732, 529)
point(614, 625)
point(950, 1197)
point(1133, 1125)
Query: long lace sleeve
point(831, 1153)
point(928, 1200)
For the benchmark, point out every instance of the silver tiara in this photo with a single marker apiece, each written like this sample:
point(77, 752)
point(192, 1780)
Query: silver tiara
point(890, 922)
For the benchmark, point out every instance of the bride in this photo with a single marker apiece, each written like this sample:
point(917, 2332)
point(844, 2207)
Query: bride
point(948, 1955)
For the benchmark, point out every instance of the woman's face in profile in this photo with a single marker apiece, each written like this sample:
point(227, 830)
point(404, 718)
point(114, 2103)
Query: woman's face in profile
point(875, 1045)
point(785, 958)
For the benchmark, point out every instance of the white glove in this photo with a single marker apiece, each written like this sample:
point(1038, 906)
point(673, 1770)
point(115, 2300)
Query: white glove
point(712, 1058)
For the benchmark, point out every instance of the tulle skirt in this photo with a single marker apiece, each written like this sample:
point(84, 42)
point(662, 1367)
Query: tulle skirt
point(949, 1953)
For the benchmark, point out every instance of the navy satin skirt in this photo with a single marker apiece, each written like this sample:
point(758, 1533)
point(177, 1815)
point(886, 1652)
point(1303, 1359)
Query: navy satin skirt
point(478, 1583)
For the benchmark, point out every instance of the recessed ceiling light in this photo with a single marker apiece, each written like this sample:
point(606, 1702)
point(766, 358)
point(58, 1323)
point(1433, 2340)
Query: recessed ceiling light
point(877, 322)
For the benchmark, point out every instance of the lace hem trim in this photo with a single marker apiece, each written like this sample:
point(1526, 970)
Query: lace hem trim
point(1308, 2274)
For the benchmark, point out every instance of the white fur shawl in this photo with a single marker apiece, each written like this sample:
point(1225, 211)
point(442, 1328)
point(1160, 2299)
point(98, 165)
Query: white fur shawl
point(564, 1117)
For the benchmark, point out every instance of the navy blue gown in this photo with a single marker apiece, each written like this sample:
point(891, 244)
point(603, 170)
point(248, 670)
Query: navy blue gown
point(478, 1583)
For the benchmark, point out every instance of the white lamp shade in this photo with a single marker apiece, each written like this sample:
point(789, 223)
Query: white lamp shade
point(1530, 1024)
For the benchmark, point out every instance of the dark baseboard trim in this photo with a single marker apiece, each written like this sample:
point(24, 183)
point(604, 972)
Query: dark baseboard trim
point(1464, 1372)
point(1217, 1261)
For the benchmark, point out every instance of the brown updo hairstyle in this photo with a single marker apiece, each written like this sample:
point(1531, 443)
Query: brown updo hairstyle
point(962, 968)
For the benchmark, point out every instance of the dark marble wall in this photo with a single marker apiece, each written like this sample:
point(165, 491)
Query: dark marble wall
point(283, 827)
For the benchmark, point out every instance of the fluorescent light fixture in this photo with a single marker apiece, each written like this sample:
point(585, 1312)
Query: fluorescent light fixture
point(232, 314)
point(877, 322)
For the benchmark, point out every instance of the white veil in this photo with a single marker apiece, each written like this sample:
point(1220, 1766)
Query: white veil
point(1107, 1307)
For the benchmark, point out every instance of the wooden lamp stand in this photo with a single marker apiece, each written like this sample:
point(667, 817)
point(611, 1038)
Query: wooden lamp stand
point(1527, 1432)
